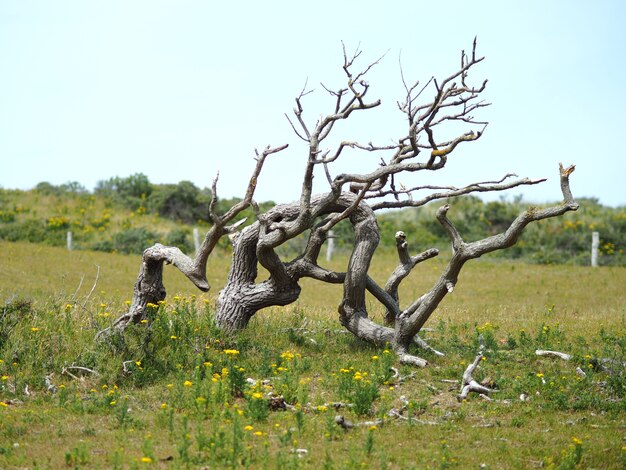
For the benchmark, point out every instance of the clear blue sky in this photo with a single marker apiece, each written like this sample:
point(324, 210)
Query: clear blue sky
point(179, 90)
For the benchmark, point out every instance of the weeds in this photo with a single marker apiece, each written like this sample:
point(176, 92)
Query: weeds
point(175, 391)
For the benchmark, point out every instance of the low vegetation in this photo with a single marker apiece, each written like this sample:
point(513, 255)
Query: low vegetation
point(125, 215)
point(293, 391)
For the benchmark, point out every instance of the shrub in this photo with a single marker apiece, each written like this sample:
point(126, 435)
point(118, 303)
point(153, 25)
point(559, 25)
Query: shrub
point(180, 237)
point(131, 191)
point(33, 231)
point(133, 240)
point(184, 202)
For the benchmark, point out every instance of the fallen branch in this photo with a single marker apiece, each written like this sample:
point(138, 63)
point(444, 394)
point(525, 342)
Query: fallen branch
point(470, 384)
point(49, 385)
point(399, 379)
point(564, 356)
point(125, 369)
point(345, 424)
point(598, 363)
point(66, 371)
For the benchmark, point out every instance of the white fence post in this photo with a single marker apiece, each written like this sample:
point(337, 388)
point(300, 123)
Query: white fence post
point(331, 245)
point(196, 239)
point(69, 241)
point(595, 244)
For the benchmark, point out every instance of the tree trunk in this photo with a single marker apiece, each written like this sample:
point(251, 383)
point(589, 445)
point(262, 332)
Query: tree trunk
point(241, 298)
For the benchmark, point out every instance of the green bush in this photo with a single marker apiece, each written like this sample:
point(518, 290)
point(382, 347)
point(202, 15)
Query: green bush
point(131, 191)
point(183, 202)
point(33, 231)
point(131, 241)
point(134, 240)
point(180, 237)
point(101, 221)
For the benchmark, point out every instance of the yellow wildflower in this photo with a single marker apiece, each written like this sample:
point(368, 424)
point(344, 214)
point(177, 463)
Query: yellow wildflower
point(287, 355)
point(187, 383)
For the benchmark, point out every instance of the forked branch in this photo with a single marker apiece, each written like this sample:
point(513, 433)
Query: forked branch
point(412, 322)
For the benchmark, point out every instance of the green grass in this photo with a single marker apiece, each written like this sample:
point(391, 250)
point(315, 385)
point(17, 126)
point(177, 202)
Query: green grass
point(172, 394)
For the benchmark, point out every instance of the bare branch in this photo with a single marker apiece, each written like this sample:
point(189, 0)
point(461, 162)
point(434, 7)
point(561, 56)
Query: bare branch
point(450, 229)
point(560, 355)
point(469, 383)
point(407, 263)
point(451, 191)
point(463, 252)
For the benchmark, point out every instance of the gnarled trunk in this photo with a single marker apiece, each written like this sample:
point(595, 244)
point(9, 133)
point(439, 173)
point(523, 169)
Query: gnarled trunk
point(242, 297)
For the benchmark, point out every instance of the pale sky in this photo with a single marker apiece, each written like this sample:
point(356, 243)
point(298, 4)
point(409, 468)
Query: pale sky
point(179, 90)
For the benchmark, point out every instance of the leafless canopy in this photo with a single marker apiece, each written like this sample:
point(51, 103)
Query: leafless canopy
point(430, 111)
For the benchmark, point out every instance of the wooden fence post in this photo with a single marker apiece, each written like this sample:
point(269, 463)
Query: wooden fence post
point(196, 239)
point(595, 244)
point(69, 241)
point(330, 248)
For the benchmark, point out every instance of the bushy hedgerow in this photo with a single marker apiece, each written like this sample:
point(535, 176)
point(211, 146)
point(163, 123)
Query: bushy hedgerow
point(91, 218)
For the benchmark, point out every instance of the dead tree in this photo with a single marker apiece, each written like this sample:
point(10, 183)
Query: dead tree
point(355, 197)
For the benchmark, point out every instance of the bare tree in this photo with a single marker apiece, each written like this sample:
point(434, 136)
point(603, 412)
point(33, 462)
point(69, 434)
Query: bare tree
point(355, 197)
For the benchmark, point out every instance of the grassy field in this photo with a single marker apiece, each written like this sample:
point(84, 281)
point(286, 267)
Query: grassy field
point(174, 392)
